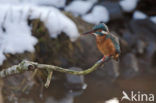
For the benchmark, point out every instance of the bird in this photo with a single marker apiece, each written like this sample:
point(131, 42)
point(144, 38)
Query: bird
point(107, 43)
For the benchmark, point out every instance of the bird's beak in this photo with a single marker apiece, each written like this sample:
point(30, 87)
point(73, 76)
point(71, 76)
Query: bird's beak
point(104, 32)
point(89, 32)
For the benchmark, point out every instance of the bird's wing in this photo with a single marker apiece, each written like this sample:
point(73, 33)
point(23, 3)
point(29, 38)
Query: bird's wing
point(115, 37)
point(115, 41)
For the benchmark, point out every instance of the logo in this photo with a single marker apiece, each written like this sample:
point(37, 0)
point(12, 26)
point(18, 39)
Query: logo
point(137, 96)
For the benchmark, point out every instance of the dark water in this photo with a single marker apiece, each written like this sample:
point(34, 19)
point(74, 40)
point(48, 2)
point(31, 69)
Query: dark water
point(99, 90)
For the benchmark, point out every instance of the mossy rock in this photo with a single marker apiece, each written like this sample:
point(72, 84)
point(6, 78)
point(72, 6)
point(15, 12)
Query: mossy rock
point(62, 51)
point(56, 51)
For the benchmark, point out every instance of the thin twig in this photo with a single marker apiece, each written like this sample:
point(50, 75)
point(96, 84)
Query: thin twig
point(49, 77)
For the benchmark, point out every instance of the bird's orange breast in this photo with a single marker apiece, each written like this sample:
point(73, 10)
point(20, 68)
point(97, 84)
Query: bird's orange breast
point(105, 46)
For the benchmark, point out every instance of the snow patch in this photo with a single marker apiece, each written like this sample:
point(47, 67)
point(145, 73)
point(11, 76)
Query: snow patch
point(99, 13)
point(79, 7)
point(128, 5)
point(114, 100)
point(56, 3)
point(15, 33)
point(139, 15)
point(153, 19)
point(55, 21)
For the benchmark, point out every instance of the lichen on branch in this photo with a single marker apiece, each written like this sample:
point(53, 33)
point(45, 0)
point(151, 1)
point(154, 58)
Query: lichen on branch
point(31, 66)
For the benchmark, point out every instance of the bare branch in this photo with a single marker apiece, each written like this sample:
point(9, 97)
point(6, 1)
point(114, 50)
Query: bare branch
point(30, 66)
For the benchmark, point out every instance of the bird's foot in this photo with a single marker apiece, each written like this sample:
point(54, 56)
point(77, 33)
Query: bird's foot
point(103, 59)
point(106, 58)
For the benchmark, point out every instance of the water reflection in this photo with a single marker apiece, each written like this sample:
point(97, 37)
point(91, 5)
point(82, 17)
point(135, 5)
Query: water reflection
point(101, 90)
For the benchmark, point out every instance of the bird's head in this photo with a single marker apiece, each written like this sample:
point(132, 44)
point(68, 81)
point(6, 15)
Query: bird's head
point(98, 30)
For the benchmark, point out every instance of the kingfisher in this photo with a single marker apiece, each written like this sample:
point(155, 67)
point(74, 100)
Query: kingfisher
point(107, 43)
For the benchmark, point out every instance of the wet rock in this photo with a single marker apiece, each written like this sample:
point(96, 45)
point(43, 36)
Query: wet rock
point(109, 70)
point(68, 2)
point(114, 10)
point(1, 86)
point(12, 98)
point(67, 99)
point(150, 53)
point(112, 68)
point(24, 82)
point(75, 82)
point(23, 100)
point(15, 81)
point(144, 29)
point(129, 65)
point(140, 47)
point(151, 49)
point(124, 46)
point(129, 37)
